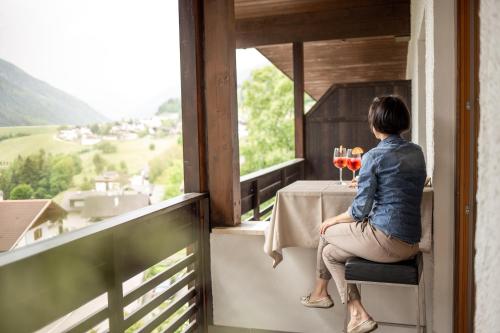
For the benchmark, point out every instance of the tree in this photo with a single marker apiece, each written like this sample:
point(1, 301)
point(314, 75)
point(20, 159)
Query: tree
point(266, 105)
point(106, 148)
point(22, 191)
point(47, 175)
point(123, 167)
point(99, 163)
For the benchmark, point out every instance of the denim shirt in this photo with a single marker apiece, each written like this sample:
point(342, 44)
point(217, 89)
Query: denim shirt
point(390, 185)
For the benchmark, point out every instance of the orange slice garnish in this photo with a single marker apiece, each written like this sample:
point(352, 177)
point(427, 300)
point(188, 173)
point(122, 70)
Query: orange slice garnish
point(357, 150)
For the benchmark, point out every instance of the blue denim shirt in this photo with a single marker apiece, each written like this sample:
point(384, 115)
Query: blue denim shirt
point(390, 185)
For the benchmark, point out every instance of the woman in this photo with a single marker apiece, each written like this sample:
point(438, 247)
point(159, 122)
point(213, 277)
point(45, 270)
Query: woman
point(383, 222)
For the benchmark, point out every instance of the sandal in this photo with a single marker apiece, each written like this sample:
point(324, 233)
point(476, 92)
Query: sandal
point(365, 327)
point(323, 303)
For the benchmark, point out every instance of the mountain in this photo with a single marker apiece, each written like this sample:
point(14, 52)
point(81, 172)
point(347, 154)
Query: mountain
point(25, 100)
point(172, 106)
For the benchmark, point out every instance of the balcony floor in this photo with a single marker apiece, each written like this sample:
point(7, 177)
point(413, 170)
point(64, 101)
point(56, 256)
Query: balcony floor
point(227, 329)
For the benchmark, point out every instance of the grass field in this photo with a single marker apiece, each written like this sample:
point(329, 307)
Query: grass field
point(136, 154)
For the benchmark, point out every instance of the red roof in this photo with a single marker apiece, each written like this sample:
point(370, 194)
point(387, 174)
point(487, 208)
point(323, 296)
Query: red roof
point(18, 216)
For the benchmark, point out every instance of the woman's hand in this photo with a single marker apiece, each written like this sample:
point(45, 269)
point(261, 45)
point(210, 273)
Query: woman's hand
point(353, 184)
point(326, 224)
point(342, 218)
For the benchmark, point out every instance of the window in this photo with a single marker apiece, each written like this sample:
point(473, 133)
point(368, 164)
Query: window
point(38, 233)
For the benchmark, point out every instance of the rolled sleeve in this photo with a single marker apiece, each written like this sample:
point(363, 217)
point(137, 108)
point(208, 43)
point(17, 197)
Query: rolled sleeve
point(367, 185)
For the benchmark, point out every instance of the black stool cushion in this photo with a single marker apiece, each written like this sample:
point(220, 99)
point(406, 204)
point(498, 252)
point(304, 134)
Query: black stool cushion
point(403, 272)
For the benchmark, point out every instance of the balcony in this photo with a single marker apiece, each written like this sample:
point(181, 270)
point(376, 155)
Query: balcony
point(201, 266)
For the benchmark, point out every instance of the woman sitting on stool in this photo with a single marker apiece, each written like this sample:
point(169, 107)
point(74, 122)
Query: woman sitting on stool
point(383, 222)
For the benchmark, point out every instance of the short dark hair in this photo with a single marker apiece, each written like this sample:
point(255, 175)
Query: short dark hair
point(389, 115)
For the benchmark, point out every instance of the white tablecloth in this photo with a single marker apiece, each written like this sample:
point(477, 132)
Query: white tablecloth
point(301, 207)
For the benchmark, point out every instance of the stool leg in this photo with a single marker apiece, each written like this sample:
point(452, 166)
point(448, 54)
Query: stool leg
point(418, 309)
point(346, 318)
point(424, 310)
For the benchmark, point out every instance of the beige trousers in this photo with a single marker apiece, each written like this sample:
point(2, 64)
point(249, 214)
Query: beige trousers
point(346, 240)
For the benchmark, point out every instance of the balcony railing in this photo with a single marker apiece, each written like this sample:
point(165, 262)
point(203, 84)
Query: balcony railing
point(260, 186)
point(44, 282)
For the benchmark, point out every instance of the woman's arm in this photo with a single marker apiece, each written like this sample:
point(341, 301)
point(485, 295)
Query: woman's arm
point(342, 218)
point(363, 202)
point(367, 186)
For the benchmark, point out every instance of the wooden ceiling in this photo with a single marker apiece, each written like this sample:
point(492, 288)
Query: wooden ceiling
point(268, 22)
point(245, 9)
point(344, 40)
point(342, 61)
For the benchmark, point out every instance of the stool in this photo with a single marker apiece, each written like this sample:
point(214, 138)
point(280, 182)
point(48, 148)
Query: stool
point(406, 273)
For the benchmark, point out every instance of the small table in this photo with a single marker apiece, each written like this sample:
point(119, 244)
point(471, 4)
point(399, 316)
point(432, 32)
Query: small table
point(302, 206)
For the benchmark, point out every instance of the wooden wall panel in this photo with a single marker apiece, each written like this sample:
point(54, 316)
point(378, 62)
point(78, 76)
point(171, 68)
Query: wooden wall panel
point(341, 118)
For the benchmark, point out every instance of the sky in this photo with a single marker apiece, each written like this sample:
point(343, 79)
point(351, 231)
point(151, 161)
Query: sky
point(119, 56)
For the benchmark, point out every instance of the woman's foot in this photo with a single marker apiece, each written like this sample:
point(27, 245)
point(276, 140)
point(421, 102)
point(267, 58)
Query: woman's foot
point(361, 322)
point(312, 301)
point(366, 326)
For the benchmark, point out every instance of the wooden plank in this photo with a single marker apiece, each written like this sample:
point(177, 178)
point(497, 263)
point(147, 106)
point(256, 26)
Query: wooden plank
point(193, 122)
point(270, 180)
point(204, 288)
point(192, 327)
point(158, 279)
point(191, 310)
point(356, 21)
point(165, 236)
point(89, 322)
point(26, 286)
point(343, 61)
point(148, 307)
point(168, 311)
point(257, 174)
point(298, 98)
point(222, 113)
point(341, 118)
point(260, 8)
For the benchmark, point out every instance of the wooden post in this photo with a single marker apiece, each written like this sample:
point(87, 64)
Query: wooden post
point(298, 93)
point(193, 120)
point(221, 113)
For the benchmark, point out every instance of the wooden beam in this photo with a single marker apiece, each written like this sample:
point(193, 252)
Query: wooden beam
point(298, 97)
point(193, 120)
point(378, 19)
point(222, 113)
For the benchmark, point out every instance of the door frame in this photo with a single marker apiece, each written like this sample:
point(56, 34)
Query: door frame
point(466, 162)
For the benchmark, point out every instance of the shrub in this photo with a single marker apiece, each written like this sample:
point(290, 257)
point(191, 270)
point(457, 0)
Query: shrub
point(22, 191)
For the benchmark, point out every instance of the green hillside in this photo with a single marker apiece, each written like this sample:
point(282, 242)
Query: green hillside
point(25, 100)
point(135, 154)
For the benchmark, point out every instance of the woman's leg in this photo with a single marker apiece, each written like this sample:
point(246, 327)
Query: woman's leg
point(347, 240)
point(323, 275)
point(334, 258)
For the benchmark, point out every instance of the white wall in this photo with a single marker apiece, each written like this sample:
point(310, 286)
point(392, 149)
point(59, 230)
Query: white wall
point(248, 292)
point(438, 20)
point(487, 262)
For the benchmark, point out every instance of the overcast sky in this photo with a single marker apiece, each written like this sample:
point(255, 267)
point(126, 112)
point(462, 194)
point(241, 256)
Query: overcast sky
point(120, 56)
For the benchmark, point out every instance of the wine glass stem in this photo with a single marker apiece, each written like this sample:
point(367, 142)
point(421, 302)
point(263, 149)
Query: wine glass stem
point(340, 175)
point(353, 174)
